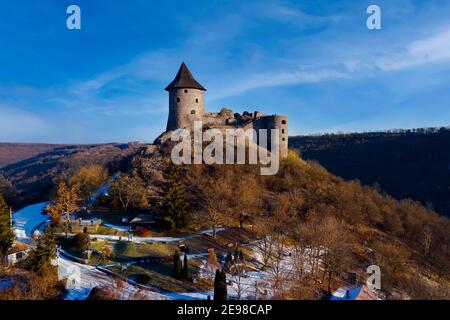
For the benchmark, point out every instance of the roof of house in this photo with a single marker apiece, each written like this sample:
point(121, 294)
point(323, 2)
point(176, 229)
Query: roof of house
point(143, 218)
point(184, 79)
point(345, 294)
point(358, 293)
point(18, 247)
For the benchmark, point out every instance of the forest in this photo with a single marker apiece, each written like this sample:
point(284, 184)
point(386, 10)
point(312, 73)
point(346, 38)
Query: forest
point(403, 163)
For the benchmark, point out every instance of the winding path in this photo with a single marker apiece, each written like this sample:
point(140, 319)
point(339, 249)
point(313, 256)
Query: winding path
point(28, 219)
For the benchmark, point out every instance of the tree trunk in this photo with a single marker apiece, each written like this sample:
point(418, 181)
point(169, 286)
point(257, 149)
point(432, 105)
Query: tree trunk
point(330, 276)
point(67, 224)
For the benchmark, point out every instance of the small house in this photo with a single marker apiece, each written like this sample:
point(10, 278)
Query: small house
point(358, 293)
point(18, 252)
point(91, 225)
point(142, 222)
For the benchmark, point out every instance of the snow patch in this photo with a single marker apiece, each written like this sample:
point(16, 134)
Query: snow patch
point(29, 219)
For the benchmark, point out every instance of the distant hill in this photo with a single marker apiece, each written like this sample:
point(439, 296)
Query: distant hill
point(15, 152)
point(404, 163)
point(33, 178)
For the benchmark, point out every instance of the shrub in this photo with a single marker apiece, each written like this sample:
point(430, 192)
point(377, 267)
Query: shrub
point(82, 241)
point(143, 278)
point(143, 231)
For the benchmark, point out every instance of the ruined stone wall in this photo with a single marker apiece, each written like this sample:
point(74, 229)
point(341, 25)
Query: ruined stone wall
point(187, 106)
point(261, 122)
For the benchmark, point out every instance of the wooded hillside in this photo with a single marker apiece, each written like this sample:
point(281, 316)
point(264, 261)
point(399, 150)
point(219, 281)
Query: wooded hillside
point(411, 164)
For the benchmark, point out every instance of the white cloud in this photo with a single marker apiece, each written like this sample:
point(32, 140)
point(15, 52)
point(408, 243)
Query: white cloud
point(291, 13)
point(277, 78)
point(16, 124)
point(434, 49)
point(132, 97)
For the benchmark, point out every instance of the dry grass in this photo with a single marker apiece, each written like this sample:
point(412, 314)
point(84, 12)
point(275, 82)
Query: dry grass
point(125, 249)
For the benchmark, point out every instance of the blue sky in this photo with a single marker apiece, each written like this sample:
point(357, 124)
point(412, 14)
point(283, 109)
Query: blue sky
point(313, 60)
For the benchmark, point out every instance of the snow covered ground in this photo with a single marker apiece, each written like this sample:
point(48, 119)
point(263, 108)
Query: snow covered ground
point(190, 295)
point(27, 220)
point(103, 190)
point(147, 239)
point(255, 283)
point(83, 278)
point(137, 239)
point(116, 227)
point(209, 232)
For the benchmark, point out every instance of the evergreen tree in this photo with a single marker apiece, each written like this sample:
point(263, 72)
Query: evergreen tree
point(223, 285)
point(44, 252)
point(6, 232)
point(216, 284)
point(185, 271)
point(173, 206)
point(220, 286)
point(177, 267)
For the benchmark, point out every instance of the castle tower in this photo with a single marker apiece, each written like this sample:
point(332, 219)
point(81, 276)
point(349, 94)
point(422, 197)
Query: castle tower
point(281, 123)
point(186, 100)
point(275, 122)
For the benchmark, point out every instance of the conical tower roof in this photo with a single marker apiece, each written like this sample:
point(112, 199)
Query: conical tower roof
point(184, 79)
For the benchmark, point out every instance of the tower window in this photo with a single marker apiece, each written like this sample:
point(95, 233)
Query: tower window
point(282, 130)
point(192, 111)
point(185, 90)
point(284, 139)
point(196, 100)
point(178, 99)
point(283, 121)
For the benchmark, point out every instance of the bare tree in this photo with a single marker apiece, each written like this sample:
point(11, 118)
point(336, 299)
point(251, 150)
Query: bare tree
point(89, 179)
point(277, 265)
point(427, 240)
point(335, 255)
point(129, 190)
point(65, 204)
point(299, 251)
point(265, 247)
point(238, 279)
point(213, 211)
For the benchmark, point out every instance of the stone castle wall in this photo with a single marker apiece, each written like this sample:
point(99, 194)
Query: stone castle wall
point(188, 105)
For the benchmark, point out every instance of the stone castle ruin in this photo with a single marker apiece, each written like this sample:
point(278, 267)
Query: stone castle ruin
point(187, 104)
